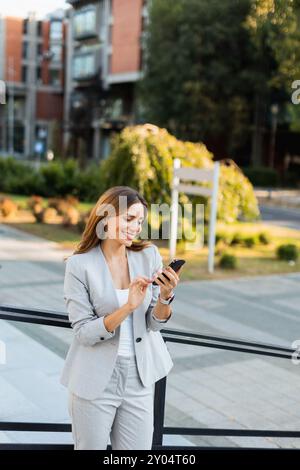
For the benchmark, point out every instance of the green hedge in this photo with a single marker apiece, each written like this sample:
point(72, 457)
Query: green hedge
point(287, 252)
point(262, 176)
point(57, 178)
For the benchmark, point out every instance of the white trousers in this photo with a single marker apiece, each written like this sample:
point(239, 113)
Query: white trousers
point(123, 413)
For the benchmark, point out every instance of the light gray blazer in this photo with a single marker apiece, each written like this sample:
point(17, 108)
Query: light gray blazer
point(89, 295)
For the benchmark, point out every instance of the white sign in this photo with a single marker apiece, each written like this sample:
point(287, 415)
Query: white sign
point(195, 175)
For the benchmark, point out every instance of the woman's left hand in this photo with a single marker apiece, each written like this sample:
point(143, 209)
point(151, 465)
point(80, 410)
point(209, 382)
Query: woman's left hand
point(167, 286)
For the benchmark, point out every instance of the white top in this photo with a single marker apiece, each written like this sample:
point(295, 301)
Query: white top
point(126, 344)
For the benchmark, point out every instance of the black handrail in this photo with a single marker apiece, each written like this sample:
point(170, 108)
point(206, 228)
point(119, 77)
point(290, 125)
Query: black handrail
point(53, 318)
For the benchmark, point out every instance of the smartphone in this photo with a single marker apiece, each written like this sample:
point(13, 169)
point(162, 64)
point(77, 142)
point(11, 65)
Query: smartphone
point(175, 265)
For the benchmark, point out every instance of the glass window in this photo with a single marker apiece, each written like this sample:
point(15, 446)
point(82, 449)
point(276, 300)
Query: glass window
point(56, 51)
point(25, 26)
point(56, 31)
point(54, 77)
point(84, 66)
point(39, 28)
point(39, 49)
point(24, 73)
point(24, 49)
point(85, 22)
point(39, 74)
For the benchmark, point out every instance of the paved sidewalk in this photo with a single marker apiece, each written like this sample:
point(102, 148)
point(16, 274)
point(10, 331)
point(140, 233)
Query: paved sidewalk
point(206, 387)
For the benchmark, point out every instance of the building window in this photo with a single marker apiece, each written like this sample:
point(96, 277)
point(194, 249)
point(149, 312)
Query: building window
point(56, 52)
point(40, 50)
point(54, 76)
point(84, 66)
point(85, 23)
point(56, 31)
point(39, 74)
point(25, 26)
point(110, 34)
point(24, 73)
point(39, 28)
point(24, 49)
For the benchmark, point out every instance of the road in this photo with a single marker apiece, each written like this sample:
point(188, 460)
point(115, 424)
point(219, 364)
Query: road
point(281, 216)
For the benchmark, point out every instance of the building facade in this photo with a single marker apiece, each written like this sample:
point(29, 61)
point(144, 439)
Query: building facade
point(32, 58)
point(105, 61)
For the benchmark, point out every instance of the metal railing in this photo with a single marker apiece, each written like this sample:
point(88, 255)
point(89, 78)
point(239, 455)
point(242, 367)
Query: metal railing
point(52, 318)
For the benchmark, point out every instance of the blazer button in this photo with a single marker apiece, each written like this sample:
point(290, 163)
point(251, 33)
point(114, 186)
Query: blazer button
point(138, 340)
point(101, 338)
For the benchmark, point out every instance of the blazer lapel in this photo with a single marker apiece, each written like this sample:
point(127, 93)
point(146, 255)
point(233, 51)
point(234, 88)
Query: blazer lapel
point(111, 299)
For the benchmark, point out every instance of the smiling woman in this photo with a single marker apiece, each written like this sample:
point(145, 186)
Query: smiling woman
point(117, 216)
point(116, 312)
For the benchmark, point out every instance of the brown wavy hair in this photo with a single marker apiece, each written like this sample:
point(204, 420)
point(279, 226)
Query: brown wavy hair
point(89, 238)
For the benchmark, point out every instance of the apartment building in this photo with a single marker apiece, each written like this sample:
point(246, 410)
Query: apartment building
point(32, 56)
point(105, 61)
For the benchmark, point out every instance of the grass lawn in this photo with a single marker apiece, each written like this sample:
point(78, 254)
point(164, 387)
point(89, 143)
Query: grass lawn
point(259, 260)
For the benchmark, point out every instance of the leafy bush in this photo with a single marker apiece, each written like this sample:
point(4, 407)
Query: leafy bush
point(91, 183)
point(142, 156)
point(7, 207)
point(262, 176)
point(237, 239)
point(228, 261)
point(224, 237)
point(288, 252)
point(264, 238)
point(17, 177)
point(59, 178)
point(71, 217)
point(250, 241)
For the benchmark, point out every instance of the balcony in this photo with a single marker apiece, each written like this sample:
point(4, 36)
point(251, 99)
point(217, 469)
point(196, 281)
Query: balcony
point(86, 66)
point(86, 22)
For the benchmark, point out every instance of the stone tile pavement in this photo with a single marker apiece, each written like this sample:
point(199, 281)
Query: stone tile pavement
point(206, 387)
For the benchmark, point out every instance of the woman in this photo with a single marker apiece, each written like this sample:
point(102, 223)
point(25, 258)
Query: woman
point(117, 353)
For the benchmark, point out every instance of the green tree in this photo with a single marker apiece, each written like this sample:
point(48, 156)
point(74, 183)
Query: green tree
point(214, 68)
point(194, 82)
point(273, 26)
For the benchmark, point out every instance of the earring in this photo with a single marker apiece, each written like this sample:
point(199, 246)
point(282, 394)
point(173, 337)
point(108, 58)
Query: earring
point(101, 229)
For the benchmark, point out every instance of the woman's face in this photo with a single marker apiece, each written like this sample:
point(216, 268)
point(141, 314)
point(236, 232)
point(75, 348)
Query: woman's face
point(128, 225)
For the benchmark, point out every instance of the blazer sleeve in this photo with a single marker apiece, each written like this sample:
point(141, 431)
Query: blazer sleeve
point(89, 329)
point(152, 322)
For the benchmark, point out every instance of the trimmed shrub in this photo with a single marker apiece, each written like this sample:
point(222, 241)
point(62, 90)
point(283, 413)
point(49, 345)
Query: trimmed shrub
point(48, 215)
point(228, 261)
point(237, 239)
point(72, 200)
point(59, 178)
point(71, 217)
point(250, 241)
point(264, 238)
point(224, 237)
point(262, 176)
point(287, 252)
point(61, 205)
point(33, 201)
point(8, 206)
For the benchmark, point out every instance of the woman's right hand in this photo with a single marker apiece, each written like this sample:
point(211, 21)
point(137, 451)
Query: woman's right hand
point(137, 291)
